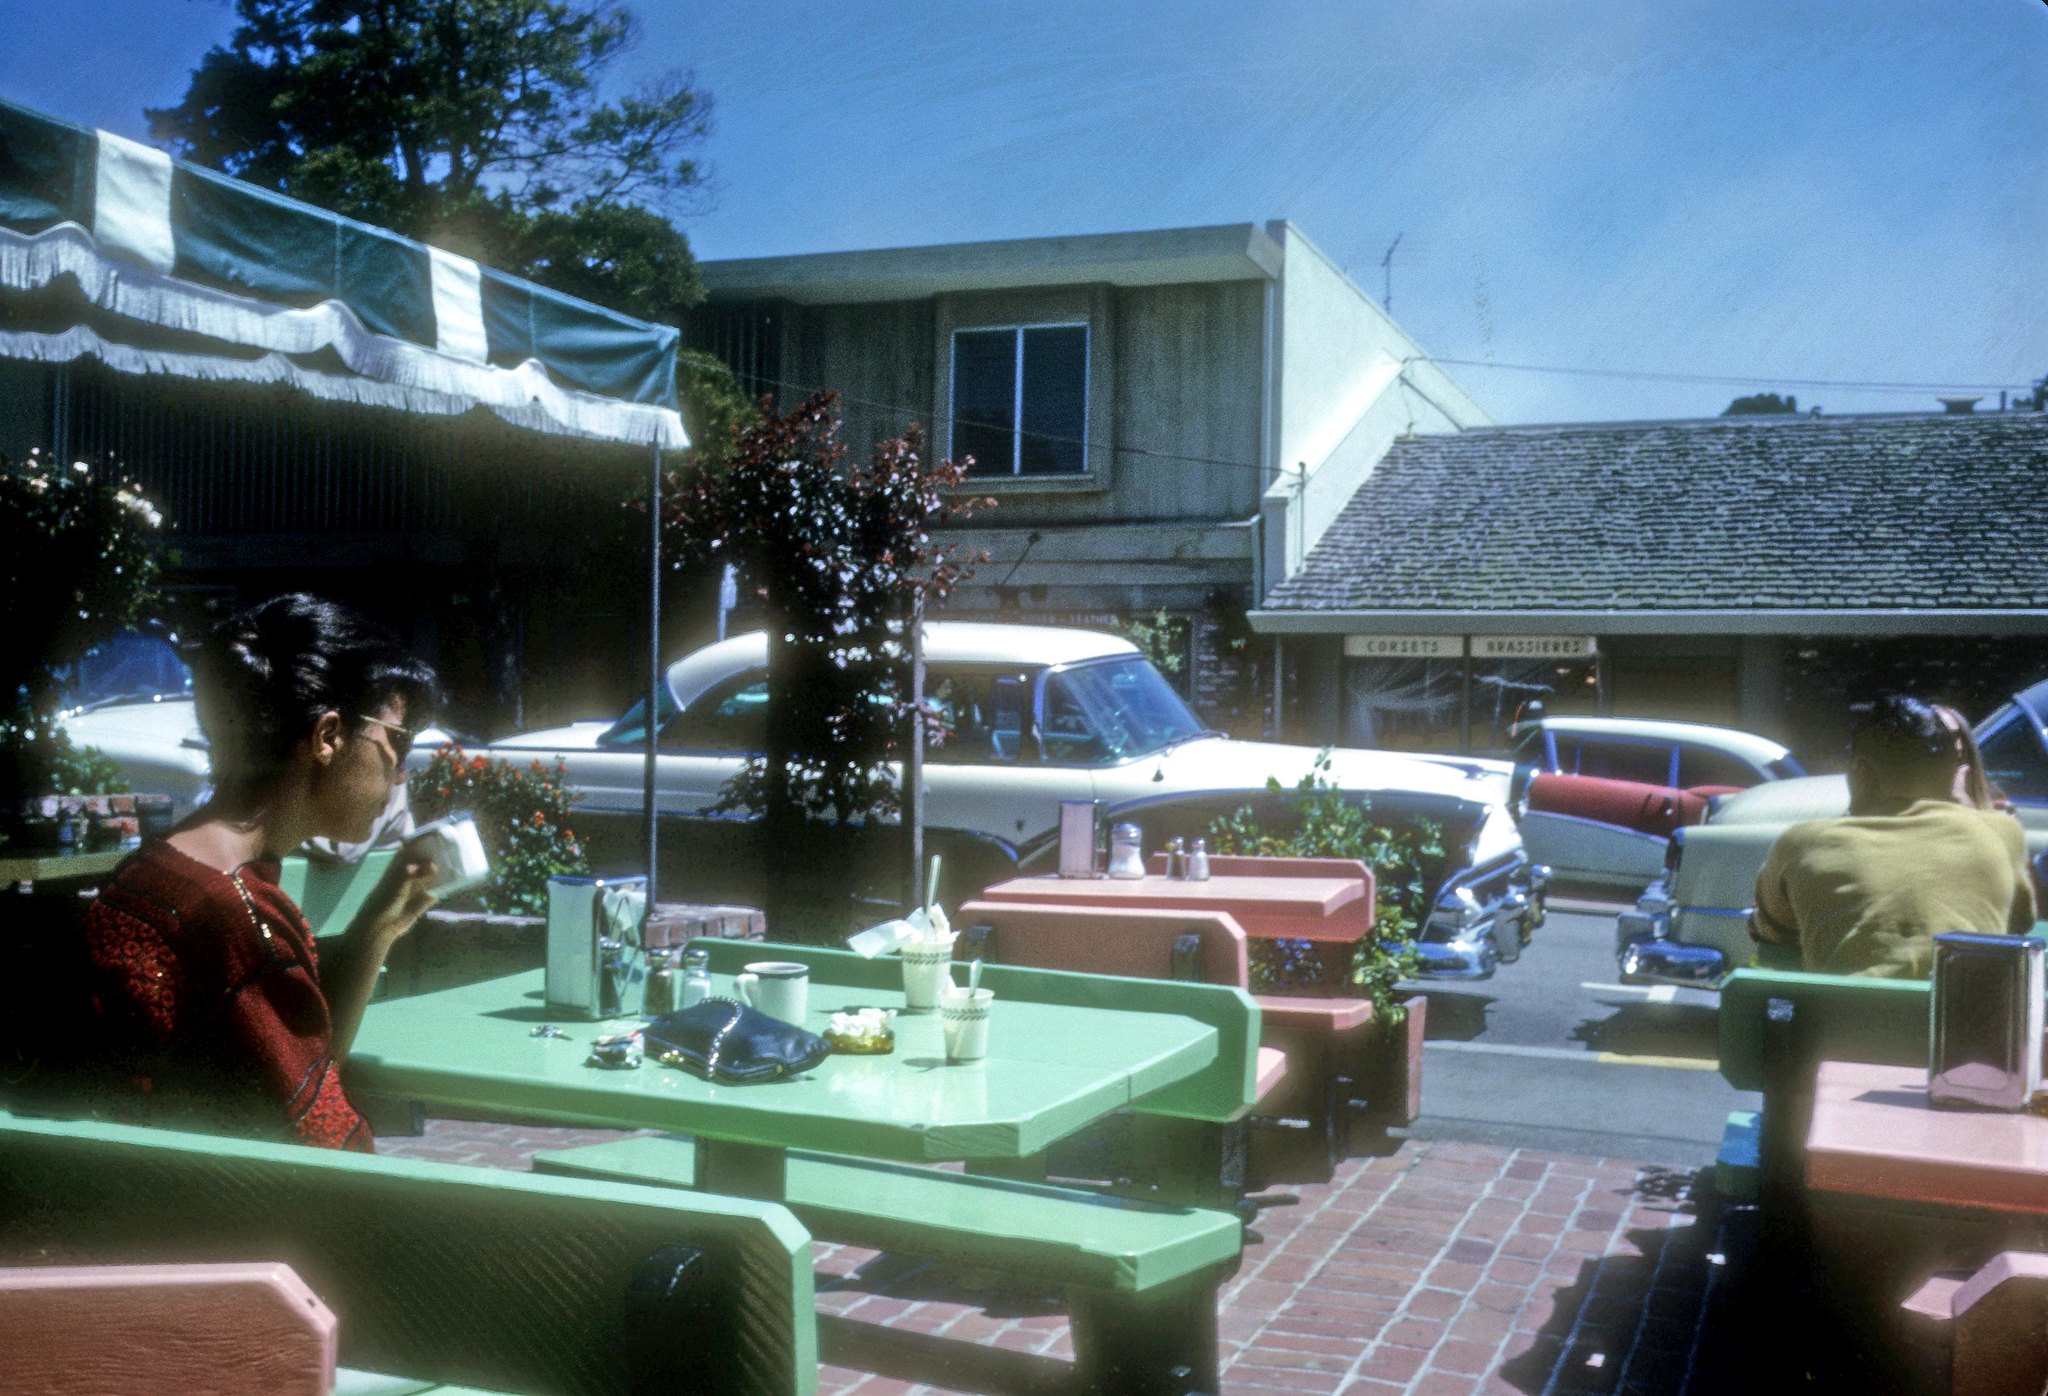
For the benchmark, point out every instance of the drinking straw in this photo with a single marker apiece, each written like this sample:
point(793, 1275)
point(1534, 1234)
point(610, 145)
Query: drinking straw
point(974, 975)
point(931, 883)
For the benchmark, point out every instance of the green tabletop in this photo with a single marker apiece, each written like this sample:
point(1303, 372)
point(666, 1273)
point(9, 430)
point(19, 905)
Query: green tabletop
point(1051, 1069)
point(53, 867)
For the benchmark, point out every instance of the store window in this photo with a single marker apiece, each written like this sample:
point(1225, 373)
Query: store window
point(1420, 704)
point(1020, 399)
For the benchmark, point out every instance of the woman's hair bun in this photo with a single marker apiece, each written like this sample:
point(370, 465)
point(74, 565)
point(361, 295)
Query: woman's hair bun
point(265, 676)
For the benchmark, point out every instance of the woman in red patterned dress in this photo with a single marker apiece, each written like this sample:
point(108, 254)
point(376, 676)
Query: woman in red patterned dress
point(211, 1008)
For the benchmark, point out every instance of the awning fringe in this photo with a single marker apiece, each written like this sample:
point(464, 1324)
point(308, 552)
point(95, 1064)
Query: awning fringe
point(389, 372)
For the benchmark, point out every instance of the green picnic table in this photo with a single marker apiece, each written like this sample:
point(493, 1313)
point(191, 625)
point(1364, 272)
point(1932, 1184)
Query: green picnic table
point(1140, 1279)
point(1051, 1070)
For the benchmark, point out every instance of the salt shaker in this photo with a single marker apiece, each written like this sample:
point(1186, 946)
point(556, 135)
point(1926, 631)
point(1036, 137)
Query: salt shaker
point(1177, 858)
point(1126, 851)
point(1198, 861)
point(696, 986)
point(659, 995)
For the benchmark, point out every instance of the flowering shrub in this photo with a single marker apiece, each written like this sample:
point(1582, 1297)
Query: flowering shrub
point(1333, 827)
point(79, 559)
point(522, 815)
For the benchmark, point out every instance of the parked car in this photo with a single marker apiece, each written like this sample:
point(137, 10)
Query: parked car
point(1601, 796)
point(131, 697)
point(1691, 925)
point(1025, 717)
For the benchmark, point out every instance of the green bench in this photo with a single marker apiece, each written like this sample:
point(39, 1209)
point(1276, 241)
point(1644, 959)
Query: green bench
point(439, 1273)
point(1139, 1277)
point(330, 894)
point(1776, 1027)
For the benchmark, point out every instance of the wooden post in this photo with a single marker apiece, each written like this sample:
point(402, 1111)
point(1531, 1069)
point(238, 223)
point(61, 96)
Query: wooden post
point(1465, 703)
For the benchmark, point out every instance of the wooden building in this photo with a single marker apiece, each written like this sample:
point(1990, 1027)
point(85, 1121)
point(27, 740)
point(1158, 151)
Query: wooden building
point(1167, 420)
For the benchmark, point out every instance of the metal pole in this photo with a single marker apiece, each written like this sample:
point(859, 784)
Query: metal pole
point(653, 669)
point(912, 798)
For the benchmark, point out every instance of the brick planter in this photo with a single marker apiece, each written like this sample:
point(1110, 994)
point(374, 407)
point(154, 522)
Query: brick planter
point(1393, 1068)
point(448, 948)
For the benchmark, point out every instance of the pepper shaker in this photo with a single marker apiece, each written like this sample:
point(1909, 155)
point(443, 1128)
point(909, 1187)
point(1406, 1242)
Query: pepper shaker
point(1177, 858)
point(659, 997)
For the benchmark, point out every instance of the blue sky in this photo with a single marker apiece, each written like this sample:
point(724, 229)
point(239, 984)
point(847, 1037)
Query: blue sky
point(1806, 191)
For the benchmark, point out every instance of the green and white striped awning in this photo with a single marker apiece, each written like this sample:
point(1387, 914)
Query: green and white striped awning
point(111, 250)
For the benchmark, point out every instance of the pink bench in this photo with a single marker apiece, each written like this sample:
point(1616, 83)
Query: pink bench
point(1991, 1324)
point(1136, 943)
point(200, 1330)
point(1310, 1045)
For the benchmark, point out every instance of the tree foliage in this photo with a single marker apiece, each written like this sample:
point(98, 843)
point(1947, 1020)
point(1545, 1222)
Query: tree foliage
point(839, 555)
point(79, 560)
point(481, 126)
point(1761, 405)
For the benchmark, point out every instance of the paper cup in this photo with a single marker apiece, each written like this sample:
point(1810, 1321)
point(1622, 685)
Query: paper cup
point(963, 1017)
point(926, 965)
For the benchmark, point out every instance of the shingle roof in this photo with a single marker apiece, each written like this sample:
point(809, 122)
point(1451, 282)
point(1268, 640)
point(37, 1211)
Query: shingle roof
point(1742, 513)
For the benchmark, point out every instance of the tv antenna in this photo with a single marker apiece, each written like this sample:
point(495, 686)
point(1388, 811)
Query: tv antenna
point(1387, 271)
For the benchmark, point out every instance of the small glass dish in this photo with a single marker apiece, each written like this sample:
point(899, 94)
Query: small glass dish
point(862, 1032)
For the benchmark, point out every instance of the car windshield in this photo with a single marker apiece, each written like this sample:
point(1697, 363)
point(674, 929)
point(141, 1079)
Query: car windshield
point(631, 728)
point(2015, 754)
point(1112, 712)
point(133, 666)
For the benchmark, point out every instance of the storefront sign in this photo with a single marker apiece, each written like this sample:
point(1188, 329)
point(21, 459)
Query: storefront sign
point(1534, 647)
point(1404, 646)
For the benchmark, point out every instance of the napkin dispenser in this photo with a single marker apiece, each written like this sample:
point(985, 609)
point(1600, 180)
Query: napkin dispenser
point(597, 962)
point(1984, 1033)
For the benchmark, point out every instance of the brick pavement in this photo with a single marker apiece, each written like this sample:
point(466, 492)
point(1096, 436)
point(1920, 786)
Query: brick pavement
point(1439, 1268)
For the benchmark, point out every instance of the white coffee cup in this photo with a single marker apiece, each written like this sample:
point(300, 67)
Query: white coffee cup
point(963, 1018)
point(779, 988)
point(926, 963)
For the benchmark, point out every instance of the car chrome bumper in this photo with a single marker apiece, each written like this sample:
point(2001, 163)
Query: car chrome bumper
point(1646, 953)
point(1482, 919)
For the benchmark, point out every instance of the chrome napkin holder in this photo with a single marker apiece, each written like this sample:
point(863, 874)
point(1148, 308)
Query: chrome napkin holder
point(1985, 1021)
point(597, 963)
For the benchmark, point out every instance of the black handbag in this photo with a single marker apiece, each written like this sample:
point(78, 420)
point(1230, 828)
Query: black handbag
point(725, 1041)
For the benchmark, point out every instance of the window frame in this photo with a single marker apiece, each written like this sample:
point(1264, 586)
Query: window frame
point(1016, 471)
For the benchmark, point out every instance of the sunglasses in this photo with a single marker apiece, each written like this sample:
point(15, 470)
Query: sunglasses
point(402, 738)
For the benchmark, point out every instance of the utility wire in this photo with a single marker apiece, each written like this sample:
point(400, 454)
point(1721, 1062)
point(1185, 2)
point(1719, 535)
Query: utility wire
point(1641, 375)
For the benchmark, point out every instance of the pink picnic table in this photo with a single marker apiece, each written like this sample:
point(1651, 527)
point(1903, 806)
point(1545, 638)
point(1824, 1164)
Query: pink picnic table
point(1875, 1136)
point(1328, 909)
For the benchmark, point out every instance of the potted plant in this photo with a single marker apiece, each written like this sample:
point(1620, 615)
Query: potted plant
point(522, 814)
point(1330, 826)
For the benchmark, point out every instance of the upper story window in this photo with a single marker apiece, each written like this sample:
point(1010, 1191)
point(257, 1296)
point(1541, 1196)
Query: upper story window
point(1020, 399)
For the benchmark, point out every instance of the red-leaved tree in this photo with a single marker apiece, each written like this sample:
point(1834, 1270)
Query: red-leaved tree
point(841, 555)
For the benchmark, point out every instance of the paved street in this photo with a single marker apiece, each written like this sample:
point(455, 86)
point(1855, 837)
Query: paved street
point(1531, 1058)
